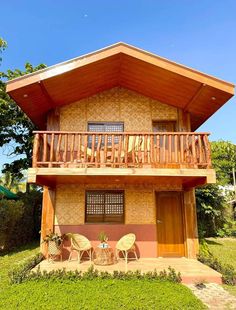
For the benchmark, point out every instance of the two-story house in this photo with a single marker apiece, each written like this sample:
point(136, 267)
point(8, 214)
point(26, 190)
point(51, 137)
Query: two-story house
point(117, 149)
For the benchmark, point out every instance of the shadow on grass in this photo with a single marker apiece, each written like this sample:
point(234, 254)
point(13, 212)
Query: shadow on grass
point(29, 246)
point(213, 242)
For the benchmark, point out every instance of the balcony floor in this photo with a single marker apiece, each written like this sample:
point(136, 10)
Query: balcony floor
point(191, 270)
point(184, 177)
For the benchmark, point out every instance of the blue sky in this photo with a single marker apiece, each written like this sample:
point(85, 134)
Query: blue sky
point(199, 34)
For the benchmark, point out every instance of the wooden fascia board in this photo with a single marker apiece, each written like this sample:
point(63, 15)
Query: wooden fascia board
point(127, 50)
point(183, 172)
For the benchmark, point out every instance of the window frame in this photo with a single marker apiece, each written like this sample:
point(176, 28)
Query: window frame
point(104, 192)
point(104, 125)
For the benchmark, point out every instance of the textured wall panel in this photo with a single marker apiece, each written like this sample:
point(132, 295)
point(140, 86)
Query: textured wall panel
point(116, 104)
point(139, 202)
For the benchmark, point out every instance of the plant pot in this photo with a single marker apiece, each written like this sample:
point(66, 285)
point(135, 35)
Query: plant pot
point(54, 249)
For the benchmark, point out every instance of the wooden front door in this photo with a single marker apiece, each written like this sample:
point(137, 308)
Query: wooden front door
point(170, 232)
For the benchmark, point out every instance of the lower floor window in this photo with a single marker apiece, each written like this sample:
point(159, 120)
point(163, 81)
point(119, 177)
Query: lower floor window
point(104, 206)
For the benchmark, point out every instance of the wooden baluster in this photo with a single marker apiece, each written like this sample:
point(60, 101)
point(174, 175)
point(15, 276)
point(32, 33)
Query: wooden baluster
point(85, 149)
point(105, 148)
point(182, 149)
point(120, 149)
point(93, 147)
point(97, 158)
point(79, 148)
point(194, 157)
point(145, 150)
point(51, 150)
point(58, 157)
point(65, 148)
point(188, 159)
point(113, 150)
point(200, 148)
point(72, 144)
point(126, 149)
point(45, 147)
point(35, 150)
point(140, 149)
point(208, 151)
point(133, 149)
point(176, 148)
point(158, 157)
point(152, 149)
point(170, 148)
point(164, 148)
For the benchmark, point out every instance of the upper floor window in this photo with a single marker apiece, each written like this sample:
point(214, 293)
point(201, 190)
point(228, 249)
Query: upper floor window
point(105, 127)
point(163, 126)
point(104, 206)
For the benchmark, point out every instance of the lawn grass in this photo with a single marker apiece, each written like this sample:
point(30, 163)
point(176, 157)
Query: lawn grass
point(90, 294)
point(224, 249)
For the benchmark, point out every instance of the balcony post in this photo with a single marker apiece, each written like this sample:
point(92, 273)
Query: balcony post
point(35, 150)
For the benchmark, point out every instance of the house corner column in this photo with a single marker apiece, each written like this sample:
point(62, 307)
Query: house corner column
point(190, 219)
point(48, 211)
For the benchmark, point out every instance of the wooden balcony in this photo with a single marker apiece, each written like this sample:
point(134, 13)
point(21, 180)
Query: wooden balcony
point(59, 149)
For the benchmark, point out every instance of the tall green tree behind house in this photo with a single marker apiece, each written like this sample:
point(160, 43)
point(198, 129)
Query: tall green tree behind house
point(213, 209)
point(223, 160)
point(16, 129)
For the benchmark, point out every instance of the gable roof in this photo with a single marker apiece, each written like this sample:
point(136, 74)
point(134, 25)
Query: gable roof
point(120, 65)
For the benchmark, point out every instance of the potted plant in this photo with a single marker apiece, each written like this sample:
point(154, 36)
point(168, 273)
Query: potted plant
point(54, 244)
point(103, 239)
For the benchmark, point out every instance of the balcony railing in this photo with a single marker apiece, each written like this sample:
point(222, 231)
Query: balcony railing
point(121, 149)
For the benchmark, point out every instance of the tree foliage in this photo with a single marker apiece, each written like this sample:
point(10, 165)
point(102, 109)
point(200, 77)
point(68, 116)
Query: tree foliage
point(223, 160)
point(212, 207)
point(15, 127)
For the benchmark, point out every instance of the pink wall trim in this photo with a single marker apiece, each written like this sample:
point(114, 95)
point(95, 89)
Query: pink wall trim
point(146, 236)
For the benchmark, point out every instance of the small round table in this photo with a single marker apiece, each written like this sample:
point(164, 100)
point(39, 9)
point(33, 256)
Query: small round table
point(103, 256)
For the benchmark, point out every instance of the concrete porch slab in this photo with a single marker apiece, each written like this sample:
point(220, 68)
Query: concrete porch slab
point(191, 270)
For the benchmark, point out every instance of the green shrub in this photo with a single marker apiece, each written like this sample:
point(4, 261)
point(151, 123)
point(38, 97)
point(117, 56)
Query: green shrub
point(20, 220)
point(206, 257)
point(23, 273)
point(228, 230)
point(10, 213)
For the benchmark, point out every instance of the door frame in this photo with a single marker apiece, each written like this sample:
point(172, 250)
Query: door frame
point(183, 218)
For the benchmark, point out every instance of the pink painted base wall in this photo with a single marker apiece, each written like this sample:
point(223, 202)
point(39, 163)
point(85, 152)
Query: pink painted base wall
point(146, 236)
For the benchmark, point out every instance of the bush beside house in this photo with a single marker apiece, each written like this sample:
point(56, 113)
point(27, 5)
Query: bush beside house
point(20, 220)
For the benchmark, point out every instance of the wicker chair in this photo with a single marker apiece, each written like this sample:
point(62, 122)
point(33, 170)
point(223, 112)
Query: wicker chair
point(126, 245)
point(81, 245)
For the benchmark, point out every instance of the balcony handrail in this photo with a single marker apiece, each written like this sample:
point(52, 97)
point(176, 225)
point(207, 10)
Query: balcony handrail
point(123, 132)
point(121, 149)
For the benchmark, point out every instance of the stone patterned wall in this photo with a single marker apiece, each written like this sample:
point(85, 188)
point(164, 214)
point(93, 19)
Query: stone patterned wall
point(117, 104)
point(139, 202)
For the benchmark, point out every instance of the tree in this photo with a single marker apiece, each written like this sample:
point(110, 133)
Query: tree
point(16, 129)
point(223, 160)
point(12, 184)
point(3, 45)
point(212, 207)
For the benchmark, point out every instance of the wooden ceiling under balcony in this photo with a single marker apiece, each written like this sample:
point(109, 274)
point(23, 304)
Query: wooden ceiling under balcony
point(120, 65)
